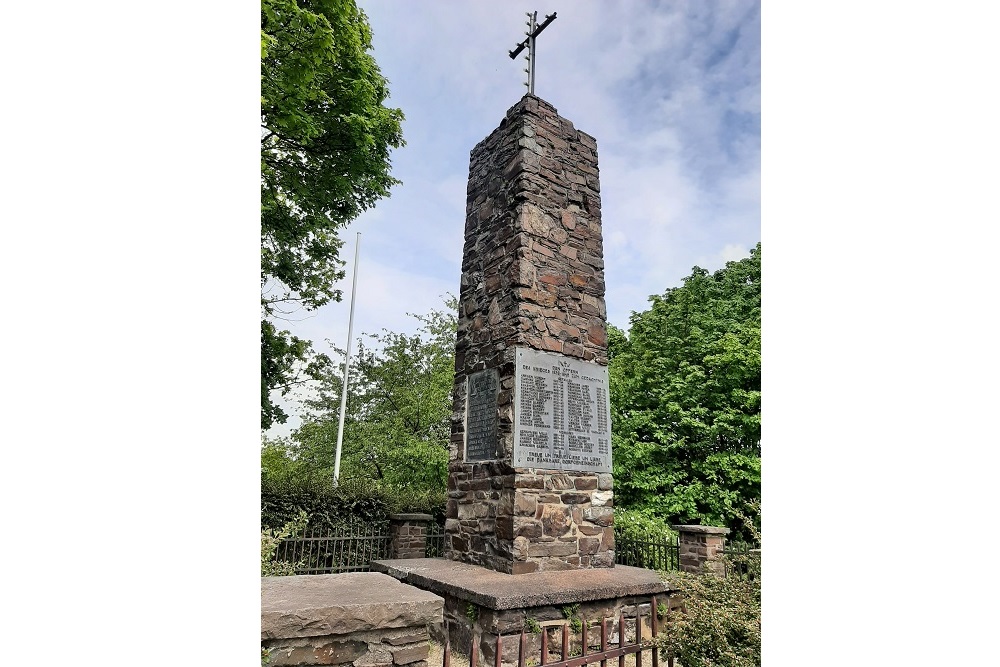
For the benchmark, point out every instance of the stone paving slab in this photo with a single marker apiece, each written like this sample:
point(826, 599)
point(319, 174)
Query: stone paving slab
point(337, 604)
point(499, 591)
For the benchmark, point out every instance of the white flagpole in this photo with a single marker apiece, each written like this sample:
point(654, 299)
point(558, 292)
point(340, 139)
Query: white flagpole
point(347, 365)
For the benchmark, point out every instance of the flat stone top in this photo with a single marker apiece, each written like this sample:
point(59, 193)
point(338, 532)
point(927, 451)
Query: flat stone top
point(336, 604)
point(499, 591)
point(706, 530)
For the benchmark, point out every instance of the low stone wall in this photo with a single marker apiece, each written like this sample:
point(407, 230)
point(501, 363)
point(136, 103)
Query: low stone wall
point(364, 619)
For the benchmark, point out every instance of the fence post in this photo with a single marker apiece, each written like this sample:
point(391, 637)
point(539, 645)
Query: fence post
point(699, 545)
point(409, 535)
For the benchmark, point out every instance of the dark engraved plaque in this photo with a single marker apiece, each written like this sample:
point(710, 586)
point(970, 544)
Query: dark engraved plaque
point(562, 418)
point(481, 416)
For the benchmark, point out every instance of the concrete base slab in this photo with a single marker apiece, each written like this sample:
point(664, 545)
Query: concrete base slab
point(499, 591)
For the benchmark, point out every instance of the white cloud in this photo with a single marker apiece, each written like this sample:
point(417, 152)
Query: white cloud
point(732, 252)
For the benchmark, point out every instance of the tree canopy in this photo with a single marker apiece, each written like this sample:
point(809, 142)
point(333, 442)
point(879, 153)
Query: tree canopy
point(325, 157)
point(685, 394)
point(398, 420)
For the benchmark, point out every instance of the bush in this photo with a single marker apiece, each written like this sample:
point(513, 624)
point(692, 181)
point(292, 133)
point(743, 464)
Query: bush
point(719, 622)
point(269, 541)
point(640, 525)
point(328, 508)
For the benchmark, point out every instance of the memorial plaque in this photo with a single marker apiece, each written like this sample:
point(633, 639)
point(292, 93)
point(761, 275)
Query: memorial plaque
point(481, 416)
point(562, 416)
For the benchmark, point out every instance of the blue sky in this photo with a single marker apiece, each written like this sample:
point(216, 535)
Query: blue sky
point(671, 91)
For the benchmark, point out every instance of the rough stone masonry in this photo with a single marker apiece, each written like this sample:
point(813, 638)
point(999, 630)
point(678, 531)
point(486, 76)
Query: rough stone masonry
point(532, 284)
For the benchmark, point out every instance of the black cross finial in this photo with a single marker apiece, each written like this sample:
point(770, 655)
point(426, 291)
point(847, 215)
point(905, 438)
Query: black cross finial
point(534, 29)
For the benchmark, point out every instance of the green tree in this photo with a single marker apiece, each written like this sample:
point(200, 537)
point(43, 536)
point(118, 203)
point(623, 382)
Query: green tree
point(325, 143)
point(685, 394)
point(398, 420)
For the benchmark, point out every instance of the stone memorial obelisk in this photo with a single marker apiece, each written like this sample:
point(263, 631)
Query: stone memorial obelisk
point(530, 485)
point(529, 534)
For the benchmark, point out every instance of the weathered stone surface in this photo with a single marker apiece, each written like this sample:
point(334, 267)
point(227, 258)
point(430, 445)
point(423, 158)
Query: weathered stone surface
point(525, 504)
point(559, 482)
point(337, 604)
point(407, 639)
point(552, 548)
point(575, 498)
point(324, 653)
point(601, 498)
point(496, 590)
point(408, 654)
point(532, 276)
point(520, 548)
point(602, 516)
point(556, 520)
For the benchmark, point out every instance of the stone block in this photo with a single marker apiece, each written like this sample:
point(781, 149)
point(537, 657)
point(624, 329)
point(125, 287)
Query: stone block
point(525, 504)
point(529, 482)
point(551, 549)
point(555, 520)
point(408, 654)
point(529, 528)
point(602, 516)
point(589, 545)
point(318, 653)
point(602, 498)
point(410, 638)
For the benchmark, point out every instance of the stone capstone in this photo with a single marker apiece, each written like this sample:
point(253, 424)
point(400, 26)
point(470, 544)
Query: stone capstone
point(337, 604)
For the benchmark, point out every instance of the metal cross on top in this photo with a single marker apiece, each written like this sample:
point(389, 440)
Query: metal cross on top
point(534, 29)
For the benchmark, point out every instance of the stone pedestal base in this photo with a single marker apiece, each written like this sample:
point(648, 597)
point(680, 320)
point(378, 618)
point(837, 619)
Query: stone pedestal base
point(480, 604)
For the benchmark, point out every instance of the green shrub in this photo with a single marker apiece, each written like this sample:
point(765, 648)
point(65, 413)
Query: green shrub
point(639, 524)
point(269, 541)
point(719, 623)
point(281, 501)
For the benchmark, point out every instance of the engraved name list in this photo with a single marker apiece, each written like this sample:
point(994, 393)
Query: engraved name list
point(562, 415)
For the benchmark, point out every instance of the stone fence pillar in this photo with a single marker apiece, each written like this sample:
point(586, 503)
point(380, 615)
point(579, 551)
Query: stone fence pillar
point(700, 545)
point(409, 535)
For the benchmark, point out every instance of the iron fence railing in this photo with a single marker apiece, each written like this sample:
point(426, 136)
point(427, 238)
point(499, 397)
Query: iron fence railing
point(352, 548)
point(435, 540)
point(582, 651)
point(653, 551)
point(742, 559)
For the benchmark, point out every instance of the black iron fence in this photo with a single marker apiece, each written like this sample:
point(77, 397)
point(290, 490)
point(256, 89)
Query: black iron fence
point(435, 540)
point(742, 559)
point(354, 546)
point(653, 551)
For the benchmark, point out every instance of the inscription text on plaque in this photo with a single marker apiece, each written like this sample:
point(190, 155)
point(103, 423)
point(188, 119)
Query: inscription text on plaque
point(481, 416)
point(562, 417)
